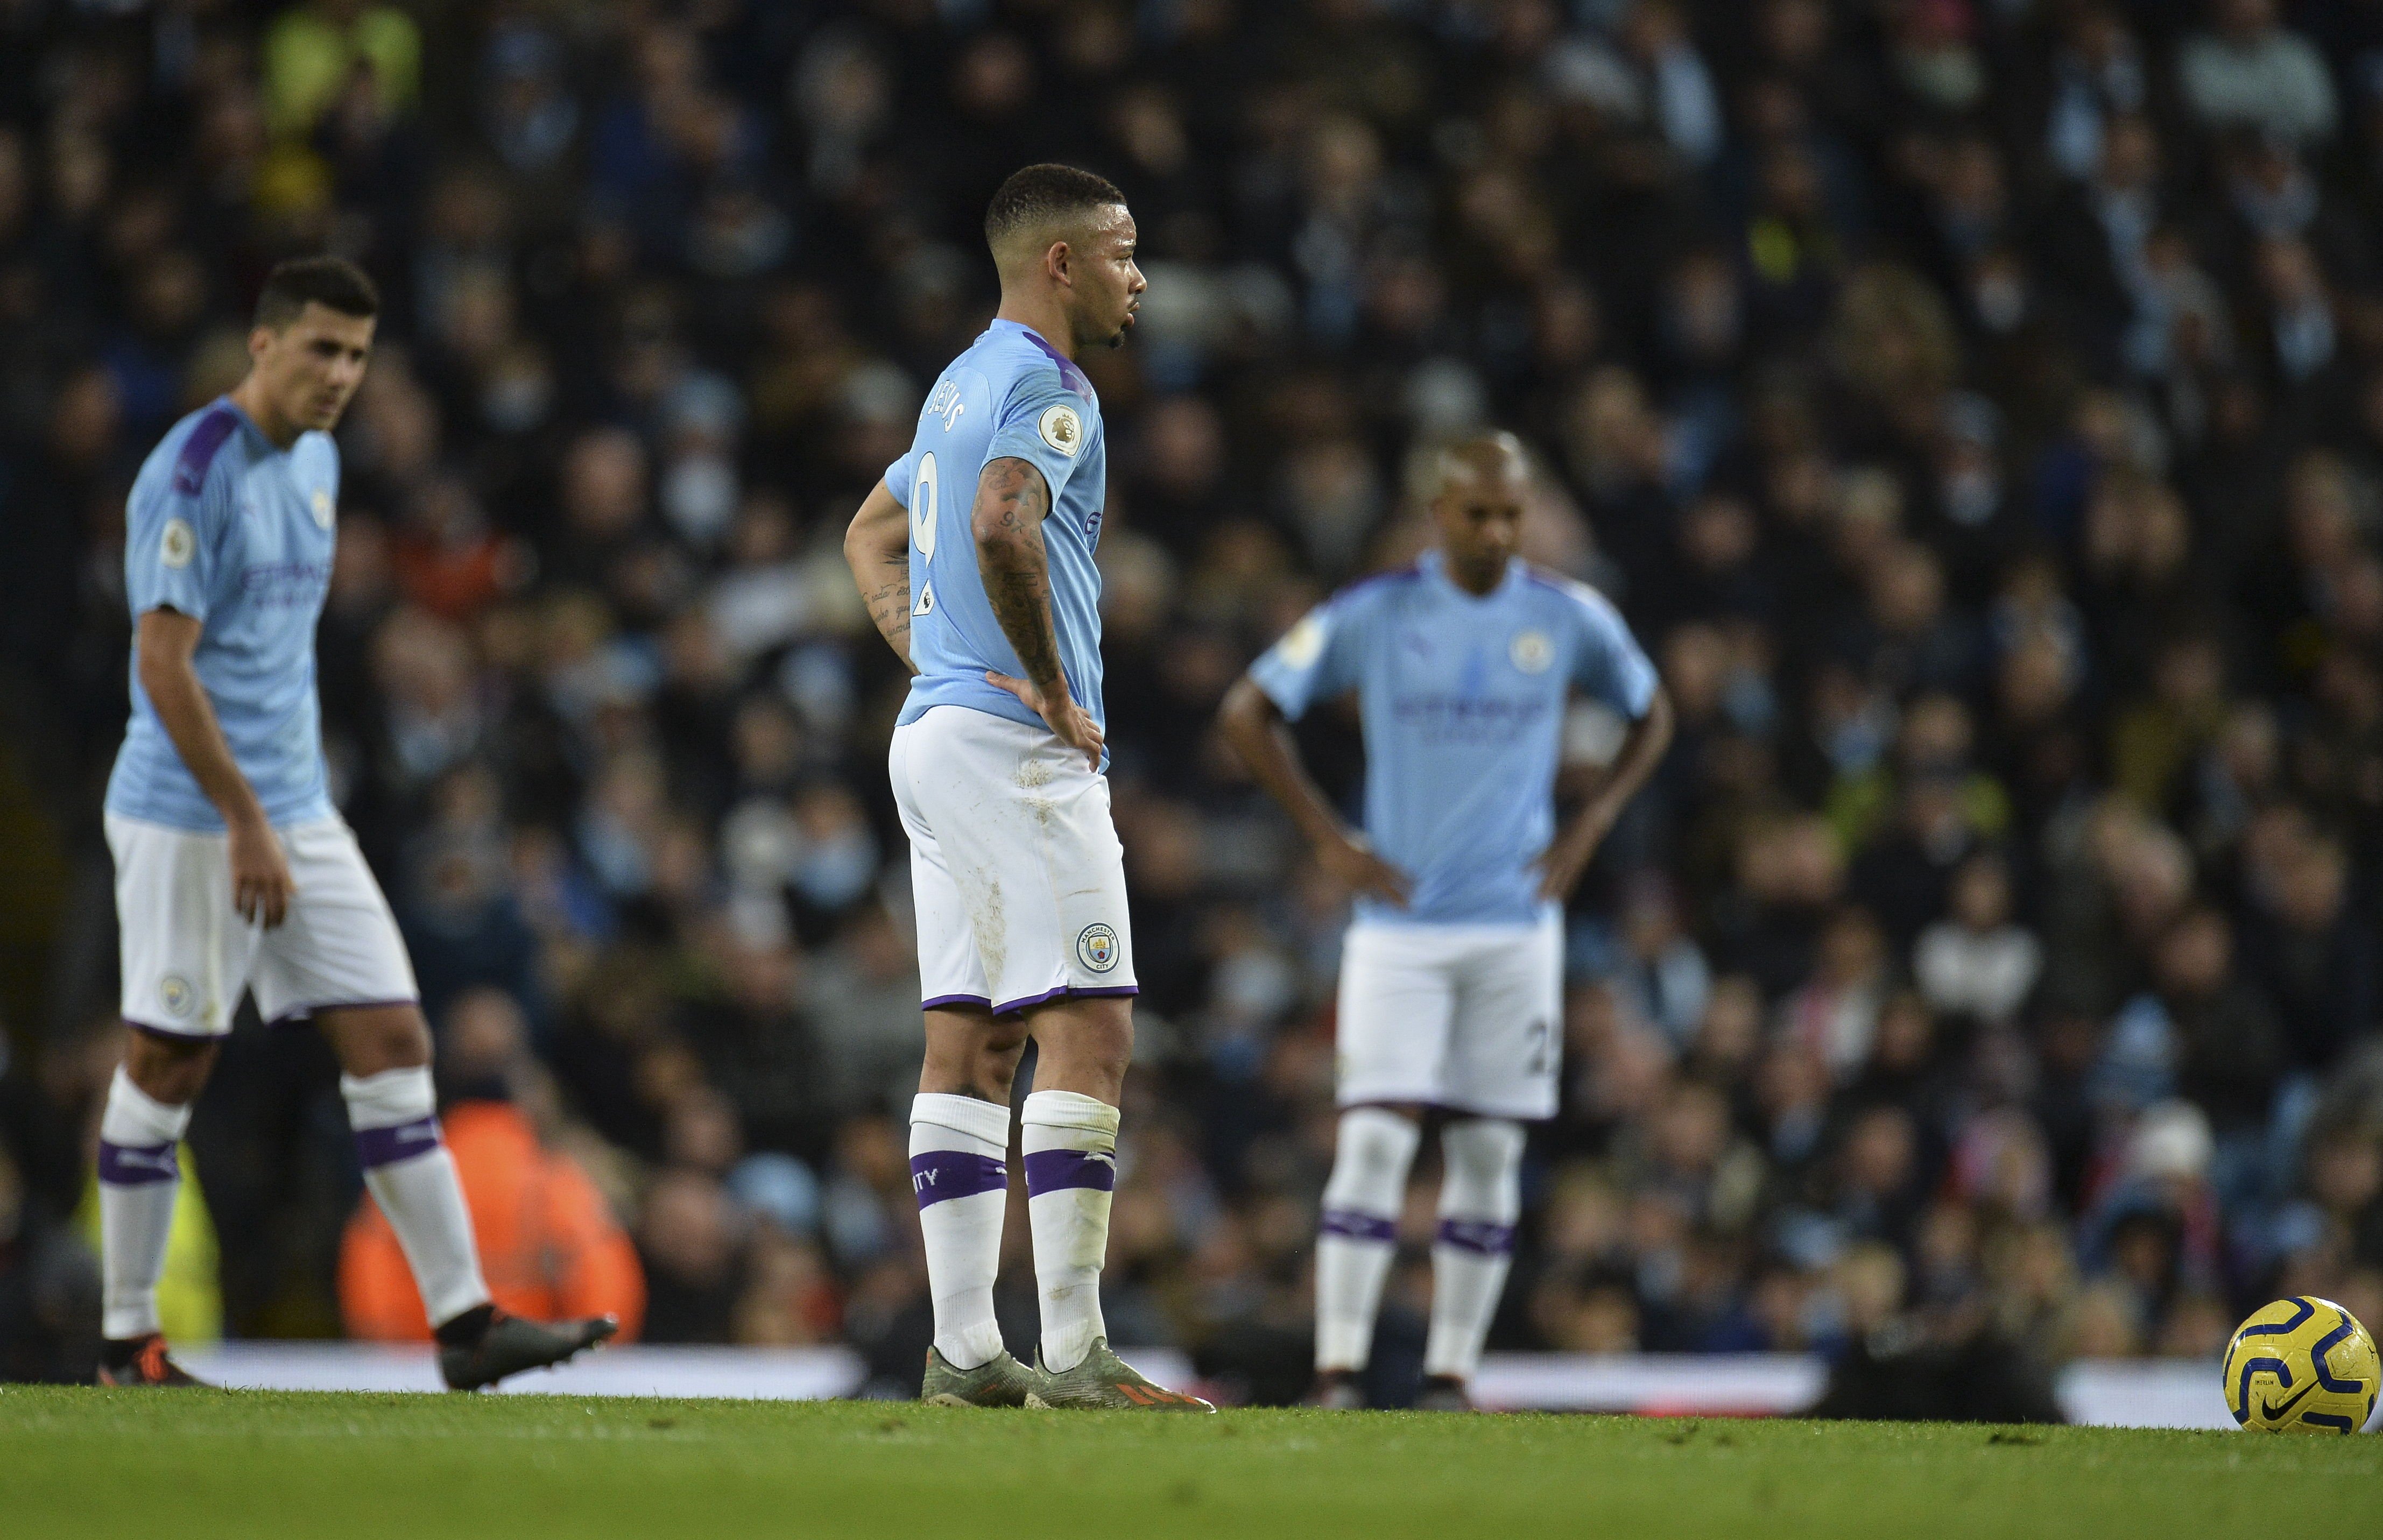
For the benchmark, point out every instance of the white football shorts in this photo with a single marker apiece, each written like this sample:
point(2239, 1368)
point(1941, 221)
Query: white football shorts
point(1015, 866)
point(188, 955)
point(1467, 1017)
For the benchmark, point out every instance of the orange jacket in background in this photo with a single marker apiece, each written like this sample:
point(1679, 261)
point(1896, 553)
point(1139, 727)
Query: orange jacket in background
point(548, 1243)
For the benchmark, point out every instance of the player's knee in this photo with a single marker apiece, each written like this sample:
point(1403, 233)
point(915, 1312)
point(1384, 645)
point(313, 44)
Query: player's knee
point(171, 1071)
point(996, 1065)
point(1083, 1045)
point(371, 1039)
point(1484, 1161)
point(1110, 1044)
point(1375, 1147)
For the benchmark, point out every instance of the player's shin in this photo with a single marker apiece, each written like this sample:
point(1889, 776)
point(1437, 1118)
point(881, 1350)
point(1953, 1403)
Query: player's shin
point(958, 1167)
point(1070, 1145)
point(412, 1178)
point(138, 1175)
point(1359, 1232)
point(1479, 1198)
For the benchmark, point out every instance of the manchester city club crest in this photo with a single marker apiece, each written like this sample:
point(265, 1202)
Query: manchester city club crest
point(174, 994)
point(1531, 651)
point(1096, 948)
point(321, 507)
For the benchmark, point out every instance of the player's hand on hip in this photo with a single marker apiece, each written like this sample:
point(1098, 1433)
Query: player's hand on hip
point(1561, 865)
point(1072, 725)
point(1353, 862)
point(261, 884)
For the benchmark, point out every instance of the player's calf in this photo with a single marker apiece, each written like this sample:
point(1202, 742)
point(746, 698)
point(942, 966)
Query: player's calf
point(139, 1175)
point(1359, 1232)
point(959, 1172)
point(1069, 1142)
point(410, 1174)
point(1480, 1196)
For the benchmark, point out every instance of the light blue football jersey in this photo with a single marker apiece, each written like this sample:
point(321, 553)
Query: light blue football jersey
point(1463, 701)
point(1011, 394)
point(237, 535)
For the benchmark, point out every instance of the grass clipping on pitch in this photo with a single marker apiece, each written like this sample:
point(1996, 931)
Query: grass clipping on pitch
point(146, 1464)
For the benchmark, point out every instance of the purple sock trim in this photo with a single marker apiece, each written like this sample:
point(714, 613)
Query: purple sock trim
point(1050, 1170)
point(1350, 1224)
point(137, 1164)
point(1485, 1237)
point(939, 1175)
point(387, 1146)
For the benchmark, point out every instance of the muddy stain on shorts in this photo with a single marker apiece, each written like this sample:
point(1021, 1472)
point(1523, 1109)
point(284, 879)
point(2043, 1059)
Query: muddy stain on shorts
point(1032, 775)
point(989, 919)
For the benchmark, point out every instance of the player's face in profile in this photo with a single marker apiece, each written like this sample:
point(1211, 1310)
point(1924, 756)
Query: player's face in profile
point(1108, 283)
point(310, 368)
point(1479, 510)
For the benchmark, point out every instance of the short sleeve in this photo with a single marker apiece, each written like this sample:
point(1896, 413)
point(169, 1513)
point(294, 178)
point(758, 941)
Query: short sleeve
point(1044, 424)
point(900, 476)
point(173, 536)
point(1316, 659)
point(1608, 663)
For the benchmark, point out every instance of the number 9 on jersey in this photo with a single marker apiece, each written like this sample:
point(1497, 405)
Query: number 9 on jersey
point(923, 506)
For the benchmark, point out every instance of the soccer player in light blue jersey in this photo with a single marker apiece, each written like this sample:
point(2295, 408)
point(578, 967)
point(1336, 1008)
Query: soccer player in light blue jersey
point(233, 871)
point(975, 556)
point(1464, 666)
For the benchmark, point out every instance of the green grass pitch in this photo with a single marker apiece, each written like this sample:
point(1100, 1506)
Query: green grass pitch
point(152, 1464)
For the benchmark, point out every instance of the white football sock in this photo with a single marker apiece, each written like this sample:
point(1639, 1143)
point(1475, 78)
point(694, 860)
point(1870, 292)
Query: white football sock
point(1069, 1141)
point(139, 1172)
point(1359, 1232)
point(958, 1168)
point(1480, 1195)
point(410, 1173)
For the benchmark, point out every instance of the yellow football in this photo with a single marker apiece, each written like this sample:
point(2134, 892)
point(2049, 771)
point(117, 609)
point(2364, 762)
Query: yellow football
point(2301, 1365)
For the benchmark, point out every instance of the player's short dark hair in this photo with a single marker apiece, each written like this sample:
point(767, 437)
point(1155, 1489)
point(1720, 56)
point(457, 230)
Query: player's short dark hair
point(1043, 195)
point(332, 282)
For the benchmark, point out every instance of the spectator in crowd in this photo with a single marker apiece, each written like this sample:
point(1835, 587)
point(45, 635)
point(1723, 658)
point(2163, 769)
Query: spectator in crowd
point(1977, 408)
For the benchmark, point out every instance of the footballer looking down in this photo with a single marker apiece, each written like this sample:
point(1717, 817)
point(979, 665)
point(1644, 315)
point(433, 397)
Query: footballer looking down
point(975, 556)
point(1464, 665)
point(233, 871)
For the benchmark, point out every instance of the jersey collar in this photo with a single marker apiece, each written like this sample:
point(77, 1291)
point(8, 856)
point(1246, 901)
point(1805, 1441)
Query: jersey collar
point(1434, 567)
point(248, 426)
point(1072, 376)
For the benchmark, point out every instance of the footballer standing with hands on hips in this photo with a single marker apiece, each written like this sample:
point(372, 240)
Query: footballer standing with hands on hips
point(974, 555)
point(1464, 665)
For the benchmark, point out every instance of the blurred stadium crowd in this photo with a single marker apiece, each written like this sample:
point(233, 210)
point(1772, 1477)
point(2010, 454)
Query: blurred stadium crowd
point(1976, 405)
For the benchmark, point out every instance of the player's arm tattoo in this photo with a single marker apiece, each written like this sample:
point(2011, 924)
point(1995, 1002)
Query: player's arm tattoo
point(877, 547)
point(889, 605)
point(1011, 500)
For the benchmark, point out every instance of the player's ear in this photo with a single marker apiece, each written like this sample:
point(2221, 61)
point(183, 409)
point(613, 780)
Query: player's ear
point(1055, 258)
